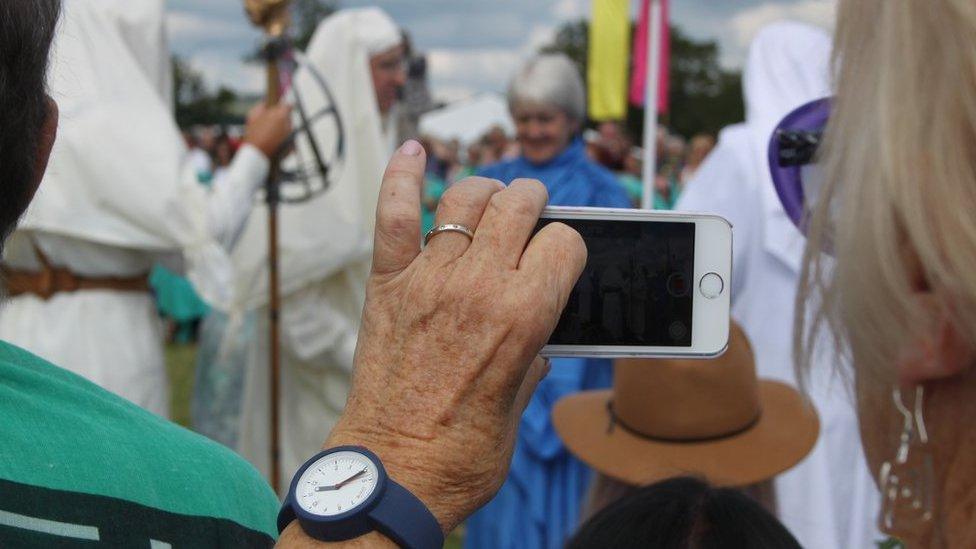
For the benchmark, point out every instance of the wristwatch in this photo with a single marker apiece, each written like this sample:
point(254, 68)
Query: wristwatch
point(344, 492)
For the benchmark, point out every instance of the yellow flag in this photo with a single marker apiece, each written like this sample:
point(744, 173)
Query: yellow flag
point(609, 57)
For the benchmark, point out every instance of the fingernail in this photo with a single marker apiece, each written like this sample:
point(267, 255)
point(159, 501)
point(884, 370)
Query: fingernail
point(411, 148)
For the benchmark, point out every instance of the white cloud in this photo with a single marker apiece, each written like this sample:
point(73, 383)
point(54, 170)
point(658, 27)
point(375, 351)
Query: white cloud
point(189, 29)
point(482, 68)
point(747, 23)
point(474, 45)
point(539, 36)
point(451, 93)
point(215, 45)
point(222, 69)
point(564, 10)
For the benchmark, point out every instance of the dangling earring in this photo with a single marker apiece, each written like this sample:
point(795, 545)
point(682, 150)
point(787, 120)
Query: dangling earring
point(908, 481)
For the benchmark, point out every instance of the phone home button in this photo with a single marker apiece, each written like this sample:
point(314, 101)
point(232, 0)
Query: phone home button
point(711, 285)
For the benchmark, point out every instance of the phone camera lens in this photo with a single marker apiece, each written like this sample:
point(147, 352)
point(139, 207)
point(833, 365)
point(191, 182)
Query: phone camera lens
point(677, 285)
point(678, 330)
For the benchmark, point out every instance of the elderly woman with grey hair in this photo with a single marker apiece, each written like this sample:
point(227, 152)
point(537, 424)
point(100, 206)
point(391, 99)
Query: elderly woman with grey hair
point(538, 504)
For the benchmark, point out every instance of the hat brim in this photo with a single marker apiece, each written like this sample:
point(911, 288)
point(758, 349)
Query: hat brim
point(784, 434)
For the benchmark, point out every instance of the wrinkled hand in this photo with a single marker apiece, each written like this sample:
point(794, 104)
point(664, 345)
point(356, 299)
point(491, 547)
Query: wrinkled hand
point(268, 127)
point(448, 350)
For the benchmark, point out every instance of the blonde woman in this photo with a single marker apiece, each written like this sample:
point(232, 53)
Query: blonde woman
point(900, 294)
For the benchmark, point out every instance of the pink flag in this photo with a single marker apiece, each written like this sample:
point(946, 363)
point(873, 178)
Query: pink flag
point(639, 76)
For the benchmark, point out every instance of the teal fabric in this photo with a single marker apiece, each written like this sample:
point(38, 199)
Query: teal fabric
point(64, 437)
point(218, 388)
point(634, 188)
point(177, 300)
point(434, 188)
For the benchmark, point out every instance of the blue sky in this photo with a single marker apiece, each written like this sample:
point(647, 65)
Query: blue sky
point(472, 46)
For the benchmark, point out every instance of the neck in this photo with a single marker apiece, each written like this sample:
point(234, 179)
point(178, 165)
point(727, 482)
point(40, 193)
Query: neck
point(953, 445)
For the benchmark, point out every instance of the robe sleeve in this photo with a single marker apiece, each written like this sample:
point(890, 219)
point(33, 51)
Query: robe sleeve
point(316, 330)
point(232, 196)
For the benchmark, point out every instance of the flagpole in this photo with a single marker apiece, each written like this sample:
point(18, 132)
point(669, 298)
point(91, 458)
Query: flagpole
point(650, 104)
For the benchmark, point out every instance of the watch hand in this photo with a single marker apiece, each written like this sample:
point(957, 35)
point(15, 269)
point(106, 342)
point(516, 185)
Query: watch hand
point(350, 479)
point(341, 484)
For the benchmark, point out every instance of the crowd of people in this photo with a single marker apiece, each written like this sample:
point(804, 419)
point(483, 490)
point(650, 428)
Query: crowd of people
point(607, 144)
point(832, 420)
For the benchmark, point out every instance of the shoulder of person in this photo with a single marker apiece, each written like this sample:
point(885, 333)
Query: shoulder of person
point(498, 170)
point(726, 178)
point(609, 190)
point(75, 441)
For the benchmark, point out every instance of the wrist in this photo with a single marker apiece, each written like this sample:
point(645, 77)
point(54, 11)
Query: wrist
point(259, 147)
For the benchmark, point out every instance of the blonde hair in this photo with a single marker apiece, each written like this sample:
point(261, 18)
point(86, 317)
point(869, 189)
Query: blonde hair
point(899, 208)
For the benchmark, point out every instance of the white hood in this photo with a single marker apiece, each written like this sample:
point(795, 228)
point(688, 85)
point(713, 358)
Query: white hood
point(324, 234)
point(788, 65)
point(117, 174)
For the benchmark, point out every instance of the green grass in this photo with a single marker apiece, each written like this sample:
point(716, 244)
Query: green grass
point(181, 363)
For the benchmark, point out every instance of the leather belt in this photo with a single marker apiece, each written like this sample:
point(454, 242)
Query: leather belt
point(52, 280)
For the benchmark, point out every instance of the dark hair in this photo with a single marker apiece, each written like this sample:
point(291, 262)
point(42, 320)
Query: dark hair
point(684, 513)
point(26, 30)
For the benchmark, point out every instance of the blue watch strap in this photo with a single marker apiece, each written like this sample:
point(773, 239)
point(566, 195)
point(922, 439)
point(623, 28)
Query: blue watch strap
point(286, 515)
point(403, 518)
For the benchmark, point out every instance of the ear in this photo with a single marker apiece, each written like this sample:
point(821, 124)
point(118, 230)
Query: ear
point(49, 131)
point(942, 353)
point(940, 350)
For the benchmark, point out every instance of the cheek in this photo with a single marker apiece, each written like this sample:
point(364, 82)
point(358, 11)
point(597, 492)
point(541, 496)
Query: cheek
point(550, 132)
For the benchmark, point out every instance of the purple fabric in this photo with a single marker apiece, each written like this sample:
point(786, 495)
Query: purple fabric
point(812, 116)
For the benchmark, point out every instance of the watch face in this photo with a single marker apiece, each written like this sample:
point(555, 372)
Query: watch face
point(336, 483)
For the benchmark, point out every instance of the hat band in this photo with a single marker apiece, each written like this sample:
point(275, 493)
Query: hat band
point(615, 421)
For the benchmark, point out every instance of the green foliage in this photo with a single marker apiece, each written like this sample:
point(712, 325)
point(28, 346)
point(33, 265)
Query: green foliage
point(572, 39)
point(703, 97)
point(181, 363)
point(195, 104)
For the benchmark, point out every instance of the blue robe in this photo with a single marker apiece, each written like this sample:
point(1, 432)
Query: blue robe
point(538, 506)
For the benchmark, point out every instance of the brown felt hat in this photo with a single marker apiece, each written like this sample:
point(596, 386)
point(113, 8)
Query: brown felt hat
point(709, 418)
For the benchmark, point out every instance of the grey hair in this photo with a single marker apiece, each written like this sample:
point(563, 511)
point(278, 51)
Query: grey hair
point(549, 79)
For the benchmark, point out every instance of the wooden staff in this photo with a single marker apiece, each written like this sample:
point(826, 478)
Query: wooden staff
point(272, 16)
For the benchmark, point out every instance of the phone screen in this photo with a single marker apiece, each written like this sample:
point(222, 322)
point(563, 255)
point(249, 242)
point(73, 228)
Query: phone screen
point(636, 289)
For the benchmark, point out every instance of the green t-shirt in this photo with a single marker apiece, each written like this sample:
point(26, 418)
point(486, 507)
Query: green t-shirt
point(80, 466)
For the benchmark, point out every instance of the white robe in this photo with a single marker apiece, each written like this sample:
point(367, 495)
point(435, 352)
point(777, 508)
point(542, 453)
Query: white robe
point(119, 194)
point(325, 248)
point(829, 500)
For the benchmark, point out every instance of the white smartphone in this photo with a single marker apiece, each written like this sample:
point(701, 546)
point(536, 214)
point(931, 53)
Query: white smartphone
point(656, 284)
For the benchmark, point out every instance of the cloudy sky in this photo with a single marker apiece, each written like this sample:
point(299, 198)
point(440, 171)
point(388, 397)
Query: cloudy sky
point(472, 45)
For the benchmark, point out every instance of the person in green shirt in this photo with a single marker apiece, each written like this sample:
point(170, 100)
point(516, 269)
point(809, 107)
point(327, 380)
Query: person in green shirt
point(119, 475)
point(79, 465)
